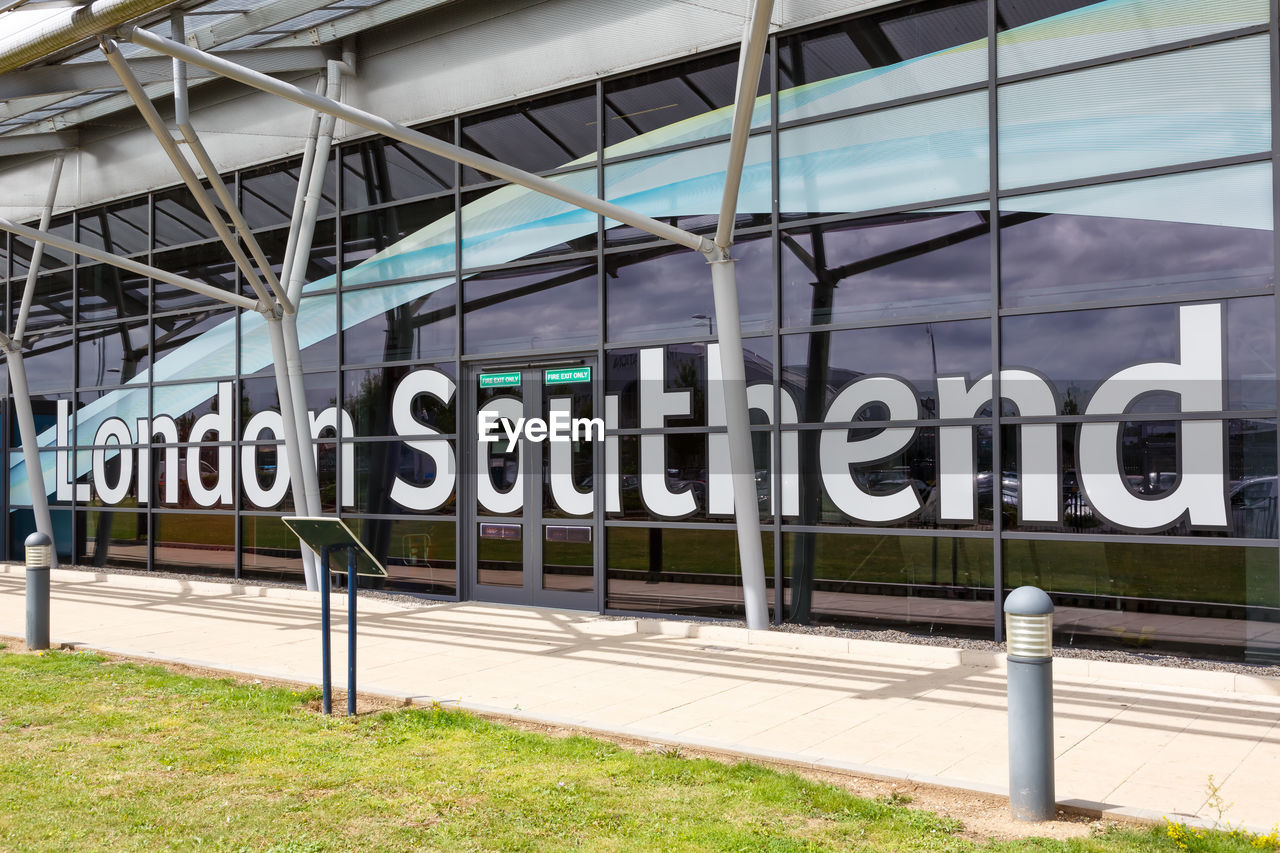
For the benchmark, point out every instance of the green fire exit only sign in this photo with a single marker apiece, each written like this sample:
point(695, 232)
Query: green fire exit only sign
point(565, 375)
point(510, 379)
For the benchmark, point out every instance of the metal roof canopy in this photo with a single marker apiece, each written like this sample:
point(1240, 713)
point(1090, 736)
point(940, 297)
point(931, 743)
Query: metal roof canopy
point(64, 82)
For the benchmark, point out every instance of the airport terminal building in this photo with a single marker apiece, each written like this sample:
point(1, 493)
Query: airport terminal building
point(1064, 205)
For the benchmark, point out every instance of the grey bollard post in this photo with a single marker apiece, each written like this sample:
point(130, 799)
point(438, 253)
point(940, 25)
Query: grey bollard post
point(1028, 620)
point(39, 548)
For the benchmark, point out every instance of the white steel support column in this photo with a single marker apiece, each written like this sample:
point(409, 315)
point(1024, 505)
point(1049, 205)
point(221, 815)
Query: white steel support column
point(19, 391)
point(293, 448)
point(37, 253)
point(729, 323)
point(300, 251)
point(21, 396)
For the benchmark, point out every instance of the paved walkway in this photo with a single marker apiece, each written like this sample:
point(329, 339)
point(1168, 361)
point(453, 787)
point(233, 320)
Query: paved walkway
point(1136, 739)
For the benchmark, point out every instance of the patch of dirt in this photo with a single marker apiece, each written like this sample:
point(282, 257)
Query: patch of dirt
point(985, 816)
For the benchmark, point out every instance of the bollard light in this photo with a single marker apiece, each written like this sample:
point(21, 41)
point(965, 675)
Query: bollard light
point(1028, 620)
point(39, 551)
point(1028, 623)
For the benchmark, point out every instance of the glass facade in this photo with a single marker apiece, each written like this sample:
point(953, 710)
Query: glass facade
point(1065, 206)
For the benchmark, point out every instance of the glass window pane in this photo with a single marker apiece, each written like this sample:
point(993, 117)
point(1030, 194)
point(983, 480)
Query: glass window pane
point(122, 229)
point(376, 242)
point(208, 263)
point(917, 584)
point(687, 572)
point(1151, 463)
point(665, 291)
point(419, 556)
point(886, 266)
point(904, 155)
point(202, 343)
point(1193, 233)
point(368, 395)
point(687, 185)
point(676, 104)
point(513, 223)
point(267, 192)
point(1204, 600)
point(51, 304)
point(828, 362)
point(380, 464)
point(109, 293)
point(112, 539)
point(1190, 105)
point(528, 308)
point(113, 354)
point(533, 135)
point(1038, 34)
point(381, 170)
point(179, 219)
point(400, 322)
point(268, 550)
point(49, 358)
point(913, 49)
point(195, 543)
point(1076, 351)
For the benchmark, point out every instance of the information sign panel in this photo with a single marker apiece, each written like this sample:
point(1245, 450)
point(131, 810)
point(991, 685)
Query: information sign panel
point(333, 534)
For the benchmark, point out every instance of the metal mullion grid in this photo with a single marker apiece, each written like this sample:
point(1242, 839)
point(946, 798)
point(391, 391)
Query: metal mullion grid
point(339, 245)
point(651, 242)
point(357, 440)
point(410, 279)
point(151, 374)
point(598, 551)
point(74, 507)
point(646, 343)
point(920, 320)
point(238, 391)
point(1143, 417)
point(701, 142)
point(871, 530)
point(1273, 30)
point(1137, 174)
point(464, 495)
point(775, 439)
point(1141, 539)
point(1132, 302)
point(997, 401)
point(526, 263)
point(906, 207)
point(394, 203)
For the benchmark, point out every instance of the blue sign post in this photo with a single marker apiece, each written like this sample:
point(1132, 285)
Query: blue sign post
point(326, 536)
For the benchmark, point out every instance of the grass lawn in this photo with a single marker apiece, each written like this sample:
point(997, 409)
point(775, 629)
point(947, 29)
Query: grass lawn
point(100, 755)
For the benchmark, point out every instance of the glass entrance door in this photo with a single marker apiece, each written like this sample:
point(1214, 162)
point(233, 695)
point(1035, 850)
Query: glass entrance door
point(534, 520)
